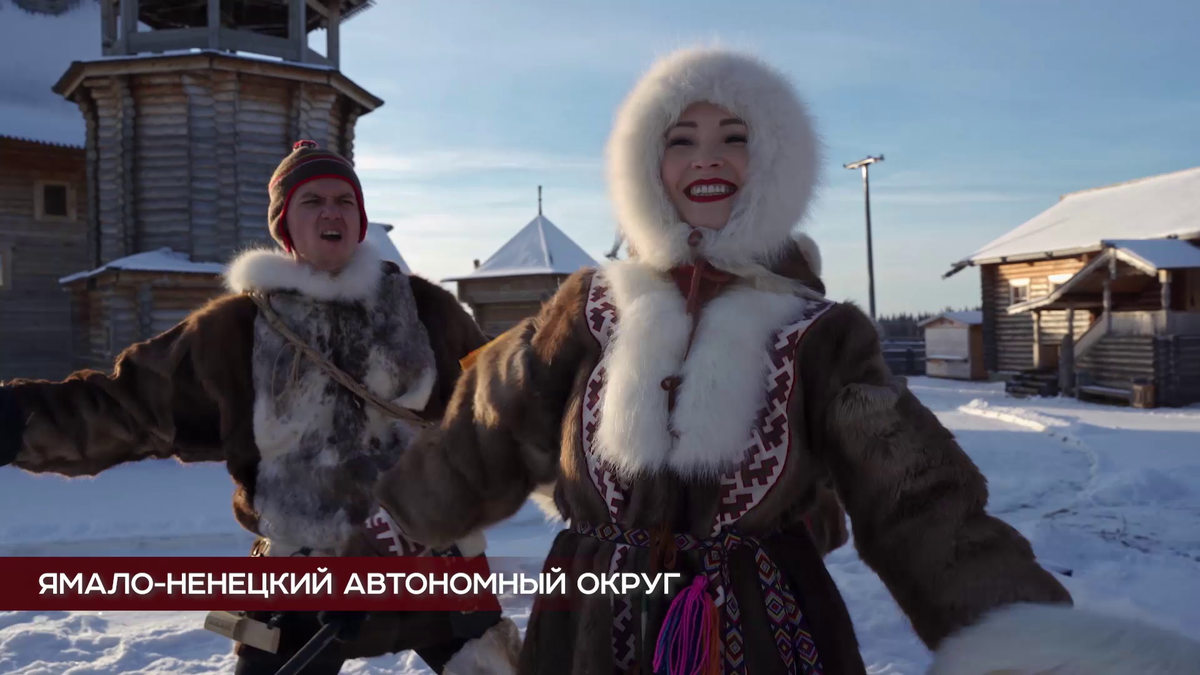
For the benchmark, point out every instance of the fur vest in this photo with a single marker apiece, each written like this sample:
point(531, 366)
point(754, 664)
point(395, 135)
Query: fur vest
point(224, 386)
point(321, 448)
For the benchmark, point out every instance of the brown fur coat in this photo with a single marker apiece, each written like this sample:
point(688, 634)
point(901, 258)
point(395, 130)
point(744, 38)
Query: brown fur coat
point(915, 500)
point(222, 386)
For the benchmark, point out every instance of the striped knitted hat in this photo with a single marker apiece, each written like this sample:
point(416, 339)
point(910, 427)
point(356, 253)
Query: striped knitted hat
point(307, 163)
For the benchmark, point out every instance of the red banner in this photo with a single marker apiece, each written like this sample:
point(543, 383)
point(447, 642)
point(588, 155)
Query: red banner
point(279, 584)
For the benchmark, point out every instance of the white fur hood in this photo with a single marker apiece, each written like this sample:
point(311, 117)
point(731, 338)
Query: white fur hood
point(784, 151)
point(272, 270)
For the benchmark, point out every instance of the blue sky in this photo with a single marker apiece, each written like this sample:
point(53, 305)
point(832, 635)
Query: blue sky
point(986, 113)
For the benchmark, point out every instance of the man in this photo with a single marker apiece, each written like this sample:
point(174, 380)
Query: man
point(257, 379)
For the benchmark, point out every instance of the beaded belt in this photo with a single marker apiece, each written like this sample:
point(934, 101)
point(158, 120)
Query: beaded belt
point(788, 626)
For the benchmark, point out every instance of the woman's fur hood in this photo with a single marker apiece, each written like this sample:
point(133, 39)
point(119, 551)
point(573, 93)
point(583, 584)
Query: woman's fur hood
point(784, 151)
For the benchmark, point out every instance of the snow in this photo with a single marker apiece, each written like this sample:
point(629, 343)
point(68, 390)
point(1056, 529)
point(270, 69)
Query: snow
point(162, 260)
point(1160, 254)
point(378, 234)
point(1149, 208)
point(167, 260)
point(1109, 497)
point(538, 248)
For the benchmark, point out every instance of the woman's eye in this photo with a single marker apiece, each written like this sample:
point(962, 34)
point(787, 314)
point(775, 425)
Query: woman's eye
point(736, 139)
point(678, 141)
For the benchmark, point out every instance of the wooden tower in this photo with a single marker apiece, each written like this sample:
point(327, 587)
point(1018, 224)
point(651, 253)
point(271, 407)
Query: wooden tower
point(525, 272)
point(185, 124)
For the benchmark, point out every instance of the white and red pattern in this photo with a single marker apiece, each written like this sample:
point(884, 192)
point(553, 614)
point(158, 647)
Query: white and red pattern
point(746, 486)
point(601, 317)
point(741, 489)
point(601, 320)
point(381, 526)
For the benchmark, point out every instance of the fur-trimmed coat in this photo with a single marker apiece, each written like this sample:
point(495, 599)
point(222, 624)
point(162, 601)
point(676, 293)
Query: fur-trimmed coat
point(706, 389)
point(916, 501)
point(223, 385)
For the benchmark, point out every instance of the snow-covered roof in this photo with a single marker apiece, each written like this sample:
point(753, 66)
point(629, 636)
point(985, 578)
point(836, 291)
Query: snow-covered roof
point(377, 233)
point(1146, 255)
point(1148, 208)
point(538, 248)
point(974, 318)
point(162, 260)
point(1159, 254)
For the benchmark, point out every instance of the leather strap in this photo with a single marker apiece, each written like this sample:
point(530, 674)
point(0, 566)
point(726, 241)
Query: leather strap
point(385, 407)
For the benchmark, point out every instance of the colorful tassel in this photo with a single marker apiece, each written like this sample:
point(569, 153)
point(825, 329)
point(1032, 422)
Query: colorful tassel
point(688, 643)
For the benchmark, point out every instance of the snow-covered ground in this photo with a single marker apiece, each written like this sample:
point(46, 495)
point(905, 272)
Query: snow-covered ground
point(1110, 498)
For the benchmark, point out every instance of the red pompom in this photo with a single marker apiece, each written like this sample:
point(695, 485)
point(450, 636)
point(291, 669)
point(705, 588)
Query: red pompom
point(304, 144)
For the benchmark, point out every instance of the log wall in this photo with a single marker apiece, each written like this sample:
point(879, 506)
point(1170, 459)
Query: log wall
point(35, 314)
point(1178, 380)
point(184, 158)
point(502, 302)
point(1008, 338)
point(181, 158)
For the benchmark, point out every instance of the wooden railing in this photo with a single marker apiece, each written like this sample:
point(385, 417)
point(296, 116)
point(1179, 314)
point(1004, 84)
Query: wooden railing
point(905, 357)
point(1156, 323)
point(1092, 335)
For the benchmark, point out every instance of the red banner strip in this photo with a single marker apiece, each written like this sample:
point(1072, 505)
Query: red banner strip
point(249, 584)
point(390, 583)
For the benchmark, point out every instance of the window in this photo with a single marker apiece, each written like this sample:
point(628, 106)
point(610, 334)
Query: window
point(5, 267)
point(53, 200)
point(1018, 291)
point(1057, 280)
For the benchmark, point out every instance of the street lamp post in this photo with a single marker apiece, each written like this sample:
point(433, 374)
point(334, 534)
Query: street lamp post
point(863, 164)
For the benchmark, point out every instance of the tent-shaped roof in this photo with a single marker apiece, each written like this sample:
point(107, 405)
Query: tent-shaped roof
point(538, 248)
point(1148, 208)
point(377, 233)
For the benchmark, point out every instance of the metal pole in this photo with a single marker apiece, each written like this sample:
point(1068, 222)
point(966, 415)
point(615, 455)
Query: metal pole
point(870, 252)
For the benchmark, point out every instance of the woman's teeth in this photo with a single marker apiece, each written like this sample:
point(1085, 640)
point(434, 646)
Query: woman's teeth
point(709, 190)
point(331, 235)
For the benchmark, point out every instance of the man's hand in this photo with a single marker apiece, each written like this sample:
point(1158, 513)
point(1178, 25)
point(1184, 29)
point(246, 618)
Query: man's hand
point(12, 426)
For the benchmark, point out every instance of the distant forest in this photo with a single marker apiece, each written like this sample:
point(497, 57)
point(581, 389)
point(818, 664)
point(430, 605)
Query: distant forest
point(904, 326)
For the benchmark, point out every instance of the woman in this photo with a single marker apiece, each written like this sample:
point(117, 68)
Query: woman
point(690, 402)
point(250, 379)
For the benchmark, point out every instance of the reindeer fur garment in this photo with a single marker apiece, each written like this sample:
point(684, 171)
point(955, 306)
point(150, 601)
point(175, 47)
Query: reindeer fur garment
point(321, 447)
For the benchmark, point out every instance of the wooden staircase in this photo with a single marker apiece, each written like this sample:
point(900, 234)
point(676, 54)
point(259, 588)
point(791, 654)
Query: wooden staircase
point(1113, 365)
point(1033, 382)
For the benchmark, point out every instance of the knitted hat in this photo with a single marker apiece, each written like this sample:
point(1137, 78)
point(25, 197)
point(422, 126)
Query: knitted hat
point(307, 163)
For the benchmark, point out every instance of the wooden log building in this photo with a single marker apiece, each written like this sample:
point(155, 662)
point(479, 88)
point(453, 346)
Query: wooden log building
point(184, 129)
point(1099, 295)
point(43, 236)
point(525, 272)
